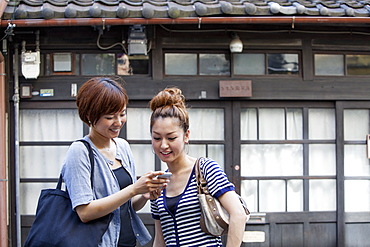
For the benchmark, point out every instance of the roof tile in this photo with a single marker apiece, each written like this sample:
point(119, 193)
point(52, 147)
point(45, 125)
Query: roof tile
point(49, 9)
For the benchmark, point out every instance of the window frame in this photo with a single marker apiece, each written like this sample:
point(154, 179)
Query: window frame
point(232, 74)
point(345, 69)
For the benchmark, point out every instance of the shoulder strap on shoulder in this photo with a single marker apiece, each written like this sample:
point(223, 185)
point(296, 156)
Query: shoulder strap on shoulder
point(201, 181)
point(91, 156)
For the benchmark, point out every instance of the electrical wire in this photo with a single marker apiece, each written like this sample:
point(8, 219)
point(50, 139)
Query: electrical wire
point(111, 46)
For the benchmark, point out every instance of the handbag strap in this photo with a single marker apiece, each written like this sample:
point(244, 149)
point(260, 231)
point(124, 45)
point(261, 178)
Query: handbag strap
point(201, 181)
point(91, 156)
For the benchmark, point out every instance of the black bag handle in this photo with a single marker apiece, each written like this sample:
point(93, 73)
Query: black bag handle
point(91, 156)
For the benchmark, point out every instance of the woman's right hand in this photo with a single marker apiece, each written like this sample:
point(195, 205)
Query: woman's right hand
point(149, 183)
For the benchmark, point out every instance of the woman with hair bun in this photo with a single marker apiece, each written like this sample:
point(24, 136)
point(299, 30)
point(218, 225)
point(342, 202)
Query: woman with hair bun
point(177, 210)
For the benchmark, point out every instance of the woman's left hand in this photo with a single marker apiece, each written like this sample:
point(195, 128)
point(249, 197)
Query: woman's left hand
point(153, 194)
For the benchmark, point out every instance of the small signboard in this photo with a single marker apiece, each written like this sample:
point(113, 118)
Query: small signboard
point(254, 237)
point(236, 88)
point(46, 92)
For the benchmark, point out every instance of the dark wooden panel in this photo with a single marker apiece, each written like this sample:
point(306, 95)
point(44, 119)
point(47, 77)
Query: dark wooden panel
point(357, 235)
point(322, 234)
point(291, 235)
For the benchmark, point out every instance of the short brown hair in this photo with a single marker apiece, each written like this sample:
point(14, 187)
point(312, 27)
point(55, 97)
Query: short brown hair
point(100, 96)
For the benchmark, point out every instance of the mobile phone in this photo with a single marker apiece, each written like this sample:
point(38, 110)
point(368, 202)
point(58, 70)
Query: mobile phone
point(165, 175)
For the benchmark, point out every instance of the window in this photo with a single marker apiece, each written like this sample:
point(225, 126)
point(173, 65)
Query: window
point(358, 64)
point(62, 62)
point(285, 165)
point(255, 64)
point(356, 164)
point(216, 64)
point(65, 63)
point(249, 64)
point(181, 64)
point(98, 64)
point(203, 64)
point(342, 65)
point(326, 64)
point(41, 162)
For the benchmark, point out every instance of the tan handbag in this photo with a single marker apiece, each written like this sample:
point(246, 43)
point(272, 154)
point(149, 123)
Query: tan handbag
point(214, 218)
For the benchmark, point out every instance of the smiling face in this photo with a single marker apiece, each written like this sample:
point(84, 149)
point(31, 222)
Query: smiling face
point(169, 139)
point(109, 125)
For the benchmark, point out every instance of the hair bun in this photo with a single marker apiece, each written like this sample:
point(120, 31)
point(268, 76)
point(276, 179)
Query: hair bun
point(169, 97)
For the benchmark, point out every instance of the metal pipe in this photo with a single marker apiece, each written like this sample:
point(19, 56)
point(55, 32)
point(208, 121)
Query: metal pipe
point(187, 20)
point(16, 146)
point(3, 159)
point(3, 150)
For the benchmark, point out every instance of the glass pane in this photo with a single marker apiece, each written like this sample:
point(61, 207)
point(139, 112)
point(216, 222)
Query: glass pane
point(123, 65)
point(180, 64)
point(217, 153)
point(355, 161)
point(248, 192)
point(294, 124)
point(138, 123)
point(271, 124)
point(326, 64)
point(356, 124)
point(197, 150)
point(144, 158)
point(271, 160)
point(214, 64)
point(62, 62)
point(41, 161)
point(321, 124)
point(283, 63)
point(98, 64)
point(200, 127)
point(29, 194)
point(322, 159)
point(139, 64)
point(358, 64)
point(272, 196)
point(50, 125)
point(248, 124)
point(357, 195)
point(295, 195)
point(322, 195)
point(249, 64)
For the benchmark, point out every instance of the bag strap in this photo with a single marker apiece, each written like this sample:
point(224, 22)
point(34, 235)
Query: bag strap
point(201, 181)
point(203, 188)
point(91, 156)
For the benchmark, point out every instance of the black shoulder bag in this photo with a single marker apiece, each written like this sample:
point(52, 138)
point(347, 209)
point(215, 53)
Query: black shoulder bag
point(57, 225)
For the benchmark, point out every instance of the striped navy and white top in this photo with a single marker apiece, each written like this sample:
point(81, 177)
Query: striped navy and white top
point(183, 227)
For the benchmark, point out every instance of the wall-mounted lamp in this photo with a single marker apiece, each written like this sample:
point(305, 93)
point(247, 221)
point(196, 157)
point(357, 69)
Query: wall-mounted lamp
point(236, 44)
point(137, 42)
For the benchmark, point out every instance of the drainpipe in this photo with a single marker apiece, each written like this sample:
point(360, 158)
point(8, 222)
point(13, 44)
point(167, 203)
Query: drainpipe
point(188, 20)
point(16, 146)
point(3, 150)
point(3, 159)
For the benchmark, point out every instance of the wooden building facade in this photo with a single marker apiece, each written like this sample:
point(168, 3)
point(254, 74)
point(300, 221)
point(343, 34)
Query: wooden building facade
point(287, 117)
